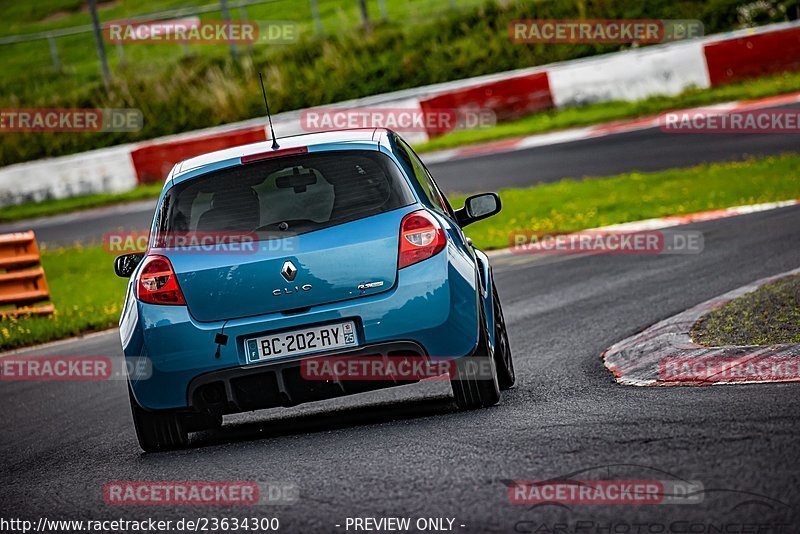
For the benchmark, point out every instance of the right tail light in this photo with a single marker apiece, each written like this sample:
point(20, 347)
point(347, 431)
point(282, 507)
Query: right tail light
point(421, 236)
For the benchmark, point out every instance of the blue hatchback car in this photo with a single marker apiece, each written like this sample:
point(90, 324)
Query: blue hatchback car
point(353, 252)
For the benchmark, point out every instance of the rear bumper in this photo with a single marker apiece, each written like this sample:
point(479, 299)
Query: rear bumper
point(281, 383)
point(432, 307)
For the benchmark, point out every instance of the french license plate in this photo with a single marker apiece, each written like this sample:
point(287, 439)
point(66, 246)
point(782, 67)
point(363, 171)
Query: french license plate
point(304, 341)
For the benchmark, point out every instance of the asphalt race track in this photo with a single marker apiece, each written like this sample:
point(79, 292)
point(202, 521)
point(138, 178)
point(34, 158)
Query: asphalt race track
point(644, 150)
point(407, 452)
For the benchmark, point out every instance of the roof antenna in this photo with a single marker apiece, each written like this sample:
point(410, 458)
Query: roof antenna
point(275, 145)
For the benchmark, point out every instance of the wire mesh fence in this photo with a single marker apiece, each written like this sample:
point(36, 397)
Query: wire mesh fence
point(60, 45)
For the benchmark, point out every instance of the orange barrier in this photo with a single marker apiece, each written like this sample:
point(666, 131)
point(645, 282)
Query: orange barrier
point(22, 281)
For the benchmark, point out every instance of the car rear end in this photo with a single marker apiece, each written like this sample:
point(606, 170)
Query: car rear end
point(306, 252)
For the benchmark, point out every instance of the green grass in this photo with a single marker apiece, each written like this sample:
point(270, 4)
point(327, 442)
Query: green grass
point(88, 295)
point(539, 123)
point(66, 205)
point(571, 205)
point(78, 53)
point(422, 42)
point(611, 111)
point(768, 316)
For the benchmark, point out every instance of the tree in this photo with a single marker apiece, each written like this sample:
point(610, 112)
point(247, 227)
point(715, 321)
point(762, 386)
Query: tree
point(362, 5)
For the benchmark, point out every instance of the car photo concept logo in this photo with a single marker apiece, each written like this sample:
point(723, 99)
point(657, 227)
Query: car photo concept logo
point(593, 500)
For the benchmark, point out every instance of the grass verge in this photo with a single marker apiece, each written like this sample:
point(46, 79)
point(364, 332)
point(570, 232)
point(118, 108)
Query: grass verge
point(593, 202)
point(538, 123)
point(611, 111)
point(768, 316)
point(66, 205)
point(178, 92)
point(88, 295)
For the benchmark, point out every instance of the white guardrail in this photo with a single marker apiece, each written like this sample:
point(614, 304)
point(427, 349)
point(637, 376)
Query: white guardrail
point(631, 75)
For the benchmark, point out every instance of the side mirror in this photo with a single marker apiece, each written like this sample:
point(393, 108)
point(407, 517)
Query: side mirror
point(478, 207)
point(125, 265)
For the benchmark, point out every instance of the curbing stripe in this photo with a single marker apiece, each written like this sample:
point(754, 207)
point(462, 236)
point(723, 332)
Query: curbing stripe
point(601, 130)
point(640, 359)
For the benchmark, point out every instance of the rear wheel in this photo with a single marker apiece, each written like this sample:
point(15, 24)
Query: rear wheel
point(157, 431)
point(502, 350)
point(475, 384)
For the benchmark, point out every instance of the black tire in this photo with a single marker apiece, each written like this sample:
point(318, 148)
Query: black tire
point(470, 389)
point(506, 375)
point(157, 431)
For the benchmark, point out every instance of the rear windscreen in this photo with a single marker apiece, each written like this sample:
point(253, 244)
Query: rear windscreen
point(286, 196)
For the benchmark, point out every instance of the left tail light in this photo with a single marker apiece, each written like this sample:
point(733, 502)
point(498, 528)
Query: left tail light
point(421, 237)
point(157, 283)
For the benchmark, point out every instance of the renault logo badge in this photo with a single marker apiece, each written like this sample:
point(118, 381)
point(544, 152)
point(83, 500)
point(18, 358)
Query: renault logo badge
point(289, 271)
